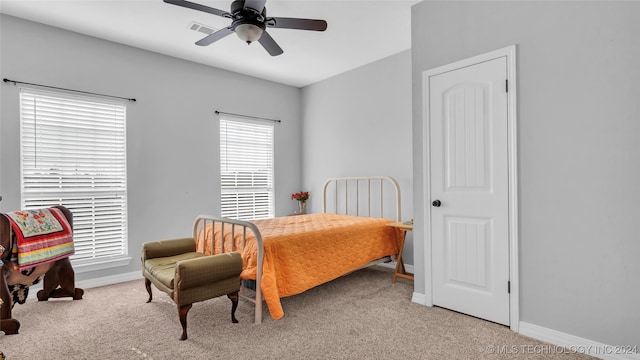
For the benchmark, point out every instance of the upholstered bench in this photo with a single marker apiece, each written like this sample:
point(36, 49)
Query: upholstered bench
point(187, 276)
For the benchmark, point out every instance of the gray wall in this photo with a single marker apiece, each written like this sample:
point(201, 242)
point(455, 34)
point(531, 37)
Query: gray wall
point(579, 150)
point(173, 154)
point(358, 124)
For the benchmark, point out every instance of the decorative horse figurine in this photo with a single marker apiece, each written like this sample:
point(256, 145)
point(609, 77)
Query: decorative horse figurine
point(59, 277)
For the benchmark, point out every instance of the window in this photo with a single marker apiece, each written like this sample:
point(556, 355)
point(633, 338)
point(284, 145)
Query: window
point(246, 168)
point(74, 154)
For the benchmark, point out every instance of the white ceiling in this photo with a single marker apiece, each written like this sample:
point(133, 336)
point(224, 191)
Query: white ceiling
point(359, 32)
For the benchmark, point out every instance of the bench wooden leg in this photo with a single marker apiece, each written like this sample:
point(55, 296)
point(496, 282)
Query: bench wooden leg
point(182, 312)
point(147, 284)
point(234, 305)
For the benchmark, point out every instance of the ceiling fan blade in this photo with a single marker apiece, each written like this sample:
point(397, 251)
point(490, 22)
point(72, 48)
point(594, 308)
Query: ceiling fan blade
point(300, 24)
point(257, 5)
point(270, 45)
point(210, 39)
point(194, 6)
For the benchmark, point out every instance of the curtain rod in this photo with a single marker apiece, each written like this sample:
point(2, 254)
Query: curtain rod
point(59, 88)
point(247, 116)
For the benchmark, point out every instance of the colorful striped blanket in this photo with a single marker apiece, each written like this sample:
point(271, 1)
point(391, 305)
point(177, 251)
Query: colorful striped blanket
point(42, 236)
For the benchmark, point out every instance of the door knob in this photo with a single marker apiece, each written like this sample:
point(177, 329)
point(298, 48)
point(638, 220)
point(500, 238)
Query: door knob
point(436, 203)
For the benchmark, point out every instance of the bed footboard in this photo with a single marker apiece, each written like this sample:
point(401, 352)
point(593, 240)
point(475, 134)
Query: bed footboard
point(234, 228)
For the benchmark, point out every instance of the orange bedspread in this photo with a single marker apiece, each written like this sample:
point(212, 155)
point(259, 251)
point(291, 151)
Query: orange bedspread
point(301, 252)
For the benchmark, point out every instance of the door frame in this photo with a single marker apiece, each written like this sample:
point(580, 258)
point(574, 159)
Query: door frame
point(510, 53)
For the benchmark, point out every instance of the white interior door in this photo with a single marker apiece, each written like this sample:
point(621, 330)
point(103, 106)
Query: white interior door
point(469, 190)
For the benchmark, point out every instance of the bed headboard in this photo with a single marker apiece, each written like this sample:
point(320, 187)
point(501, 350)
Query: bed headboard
point(376, 196)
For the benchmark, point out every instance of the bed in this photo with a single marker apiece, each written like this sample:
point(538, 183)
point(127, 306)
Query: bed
point(285, 256)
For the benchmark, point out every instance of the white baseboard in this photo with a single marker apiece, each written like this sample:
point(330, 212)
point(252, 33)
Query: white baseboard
point(419, 298)
point(578, 344)
point(109, 280)
point(392, 265)
point(114, 279)
point(92, 283)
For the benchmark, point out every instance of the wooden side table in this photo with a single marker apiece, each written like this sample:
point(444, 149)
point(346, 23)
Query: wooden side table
point(400, 270)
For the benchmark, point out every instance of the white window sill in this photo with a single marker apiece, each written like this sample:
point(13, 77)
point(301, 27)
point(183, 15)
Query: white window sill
point(82, 266)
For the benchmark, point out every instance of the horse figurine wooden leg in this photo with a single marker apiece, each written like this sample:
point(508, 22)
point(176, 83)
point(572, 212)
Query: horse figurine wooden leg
point(62, 274)
point(9, 325)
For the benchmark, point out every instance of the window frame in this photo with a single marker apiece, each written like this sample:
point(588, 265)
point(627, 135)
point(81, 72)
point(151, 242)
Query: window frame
point(261, 140)
point(88, 187)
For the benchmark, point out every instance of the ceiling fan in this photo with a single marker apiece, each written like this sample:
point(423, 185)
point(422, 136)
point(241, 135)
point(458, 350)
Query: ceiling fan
point(249, 22)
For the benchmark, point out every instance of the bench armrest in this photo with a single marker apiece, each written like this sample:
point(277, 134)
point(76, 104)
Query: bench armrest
point(207, 269)
point(164, 248)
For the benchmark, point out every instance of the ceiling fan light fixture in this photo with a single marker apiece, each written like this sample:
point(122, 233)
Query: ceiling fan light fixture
point(249, 32)
point(249, 21)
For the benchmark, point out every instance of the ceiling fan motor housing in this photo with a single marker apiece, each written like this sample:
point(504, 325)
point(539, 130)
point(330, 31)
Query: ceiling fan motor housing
point(247, 23)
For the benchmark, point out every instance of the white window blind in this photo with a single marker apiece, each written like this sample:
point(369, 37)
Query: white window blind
point(74, 154)
point(246, 167)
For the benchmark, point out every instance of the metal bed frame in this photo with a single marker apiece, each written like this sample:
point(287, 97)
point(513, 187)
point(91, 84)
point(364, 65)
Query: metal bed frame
point(346, 200)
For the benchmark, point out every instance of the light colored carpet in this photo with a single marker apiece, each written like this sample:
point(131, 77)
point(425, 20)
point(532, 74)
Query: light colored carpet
point(359, 316)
